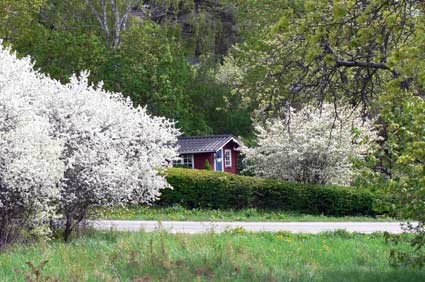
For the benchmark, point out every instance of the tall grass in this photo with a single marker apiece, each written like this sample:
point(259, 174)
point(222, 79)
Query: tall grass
point(231, 256)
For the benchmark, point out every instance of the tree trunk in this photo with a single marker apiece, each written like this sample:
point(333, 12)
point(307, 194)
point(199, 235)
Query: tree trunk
point(68, 228)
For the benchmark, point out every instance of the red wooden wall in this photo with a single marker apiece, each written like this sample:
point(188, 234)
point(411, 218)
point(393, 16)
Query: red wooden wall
point(200, 160)
point(234, 168)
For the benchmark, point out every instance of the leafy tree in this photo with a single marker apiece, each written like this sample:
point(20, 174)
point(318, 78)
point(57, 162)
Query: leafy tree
point(61, 53)
point(73, 16)
point(151, 70)
point(328, 50)
point(19, 18)
point(255, 18)
point(221, 109)
point(152, 65)
point(112, 16)
point(404, 112)
point(311, 145)
point(406, 118)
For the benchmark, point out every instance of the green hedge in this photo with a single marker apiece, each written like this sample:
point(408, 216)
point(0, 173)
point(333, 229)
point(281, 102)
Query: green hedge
point(217, 190)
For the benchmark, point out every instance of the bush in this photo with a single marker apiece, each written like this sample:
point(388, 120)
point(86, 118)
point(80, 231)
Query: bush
point(207, 165)
point(217, 190)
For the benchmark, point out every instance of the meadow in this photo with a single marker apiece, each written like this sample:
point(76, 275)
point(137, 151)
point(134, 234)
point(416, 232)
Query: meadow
point(232, 256)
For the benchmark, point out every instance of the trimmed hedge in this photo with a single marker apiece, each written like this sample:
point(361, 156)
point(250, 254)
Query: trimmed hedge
point(218, 190)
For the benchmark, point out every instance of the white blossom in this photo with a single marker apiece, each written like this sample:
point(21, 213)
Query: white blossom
point(312, 145)
point(30, 165)
point(75, 145)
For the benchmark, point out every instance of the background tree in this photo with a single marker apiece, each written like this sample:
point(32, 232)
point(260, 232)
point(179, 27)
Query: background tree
point(112, 17)
point(19, 18)
point(157, 64)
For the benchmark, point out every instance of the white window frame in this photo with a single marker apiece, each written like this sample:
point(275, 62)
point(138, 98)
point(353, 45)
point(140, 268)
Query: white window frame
point(230, 158)
point(184, 160)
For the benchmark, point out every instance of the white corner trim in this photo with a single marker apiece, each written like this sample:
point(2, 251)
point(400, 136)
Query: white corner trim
point(222, 160)
point(230, 140)
point(236, 141)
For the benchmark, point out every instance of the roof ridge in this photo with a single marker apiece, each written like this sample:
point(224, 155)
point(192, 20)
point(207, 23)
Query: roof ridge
point(205, 143)
point(206, 136)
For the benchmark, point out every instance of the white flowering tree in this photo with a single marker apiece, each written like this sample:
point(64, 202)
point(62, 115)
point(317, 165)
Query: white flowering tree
point(112, 150)
point(87, 147)
point(30, 165)
point(312, 145)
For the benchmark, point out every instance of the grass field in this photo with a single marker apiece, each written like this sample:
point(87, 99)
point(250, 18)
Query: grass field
point(231, 256)
point(180, 213)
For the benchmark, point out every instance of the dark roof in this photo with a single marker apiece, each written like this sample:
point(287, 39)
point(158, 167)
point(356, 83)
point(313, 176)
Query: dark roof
point(203, 144)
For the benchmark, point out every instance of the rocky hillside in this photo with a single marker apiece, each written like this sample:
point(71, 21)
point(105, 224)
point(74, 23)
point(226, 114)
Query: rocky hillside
point(208, 26)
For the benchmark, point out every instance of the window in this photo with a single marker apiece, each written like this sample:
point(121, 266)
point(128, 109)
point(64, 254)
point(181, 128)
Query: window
point(228, 158)
point(184, 160)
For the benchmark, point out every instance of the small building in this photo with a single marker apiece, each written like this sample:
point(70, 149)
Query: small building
point(221, 151)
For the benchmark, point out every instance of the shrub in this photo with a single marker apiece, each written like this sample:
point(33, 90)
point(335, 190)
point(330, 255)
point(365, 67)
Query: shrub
point(217, 190)
point(29, 158)
point(207, 165)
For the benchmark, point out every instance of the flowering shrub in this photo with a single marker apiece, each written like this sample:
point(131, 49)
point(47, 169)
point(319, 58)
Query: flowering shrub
point(74, 145)
point(311, 145)
point(30, 165)
point(111, 152)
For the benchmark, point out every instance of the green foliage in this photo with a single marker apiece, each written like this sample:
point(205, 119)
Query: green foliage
point(406, 158)
point(153, 66)
point(19, 18)
point(403, 110)
point(255, 18)
point(207, 165)
point(150, 69)
point(60, 53)
point(326, 51)
point(214, 102)
point(204, 189)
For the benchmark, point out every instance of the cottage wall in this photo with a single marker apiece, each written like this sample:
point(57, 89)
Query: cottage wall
point(200, 160)
point(234, 168)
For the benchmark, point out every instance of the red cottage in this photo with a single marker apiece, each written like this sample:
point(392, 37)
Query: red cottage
point(220, 151)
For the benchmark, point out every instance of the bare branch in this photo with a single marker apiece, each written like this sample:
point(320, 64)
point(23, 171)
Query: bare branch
point(118, 18)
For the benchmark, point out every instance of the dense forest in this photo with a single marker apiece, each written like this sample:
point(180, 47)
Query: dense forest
point(166, 55)
point(221, 66)
point(216, 65)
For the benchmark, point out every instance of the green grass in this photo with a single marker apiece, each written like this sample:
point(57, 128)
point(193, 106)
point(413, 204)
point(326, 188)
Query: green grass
point(180, 213)
point(232, 256)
